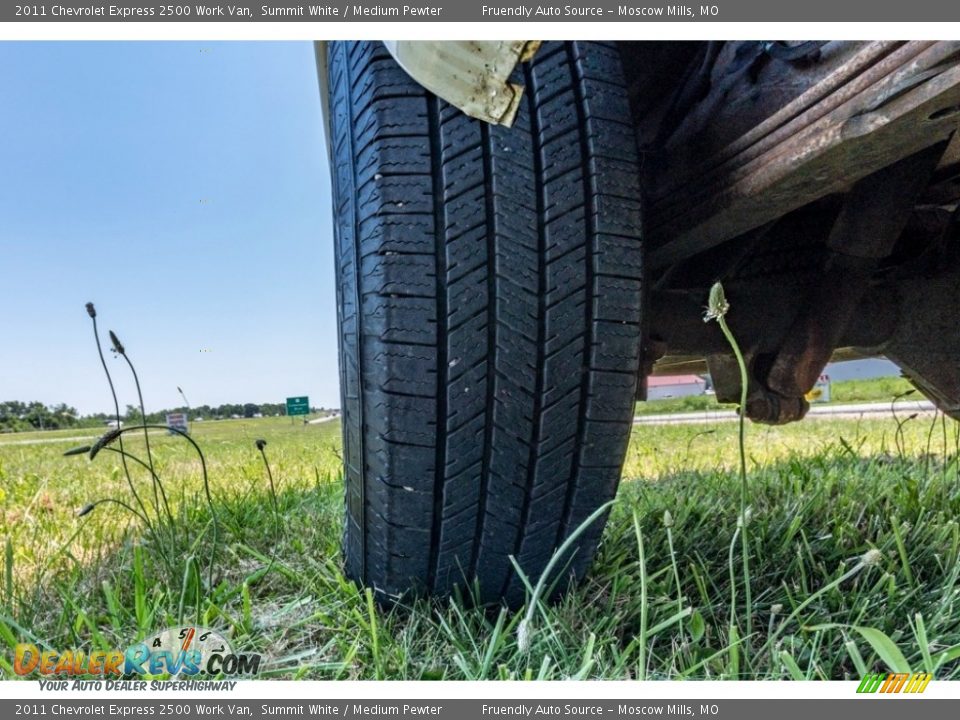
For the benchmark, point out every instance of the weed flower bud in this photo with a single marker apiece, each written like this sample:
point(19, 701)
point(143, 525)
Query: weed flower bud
point(260, 443)
point(105, 440)
point(86, 510)
point(523, 636)
point(91, 310)
point(667, 519)
point(117, 345)
point(871, 558)
point(717, 305)
point(77, 451)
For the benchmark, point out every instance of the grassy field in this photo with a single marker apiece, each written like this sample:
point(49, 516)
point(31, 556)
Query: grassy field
point(854, 558)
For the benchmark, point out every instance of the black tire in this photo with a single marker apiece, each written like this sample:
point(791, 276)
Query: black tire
point(490, 292)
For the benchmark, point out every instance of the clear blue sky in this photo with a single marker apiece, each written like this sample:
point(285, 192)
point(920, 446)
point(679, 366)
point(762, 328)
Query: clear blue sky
point(183, 188)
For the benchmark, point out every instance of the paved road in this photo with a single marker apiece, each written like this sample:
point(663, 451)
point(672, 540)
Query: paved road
point(817, 412)
point(60, 438)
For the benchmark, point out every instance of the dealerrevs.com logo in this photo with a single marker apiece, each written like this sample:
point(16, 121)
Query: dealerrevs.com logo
point(176, 651)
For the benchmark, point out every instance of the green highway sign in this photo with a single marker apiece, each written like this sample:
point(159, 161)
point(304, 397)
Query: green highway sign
point(298, 405)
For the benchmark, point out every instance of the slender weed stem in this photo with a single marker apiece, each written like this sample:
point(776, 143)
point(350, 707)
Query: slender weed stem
point(733, 580)
point(644, 608)
point(261, 444)
point(116, 405)
point(668, 524)
point(718, 310)
point(93, 506)
point(157, 491)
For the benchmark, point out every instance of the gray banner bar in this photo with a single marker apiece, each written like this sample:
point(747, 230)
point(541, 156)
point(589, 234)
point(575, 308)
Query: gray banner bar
point(877, 707)
point(482, 11)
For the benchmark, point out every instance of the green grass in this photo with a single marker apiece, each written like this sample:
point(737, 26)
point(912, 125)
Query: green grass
point(874, 390)
point(690, 403)
point(880, 390)
point(822, 496)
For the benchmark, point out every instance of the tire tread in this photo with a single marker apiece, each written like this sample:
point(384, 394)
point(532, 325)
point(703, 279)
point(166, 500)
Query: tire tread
point(489, 290)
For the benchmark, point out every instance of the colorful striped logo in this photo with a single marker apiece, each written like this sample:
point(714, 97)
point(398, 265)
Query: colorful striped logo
point(895, 683)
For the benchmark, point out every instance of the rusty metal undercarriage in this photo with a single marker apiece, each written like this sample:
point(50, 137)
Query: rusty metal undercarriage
point(820, 182)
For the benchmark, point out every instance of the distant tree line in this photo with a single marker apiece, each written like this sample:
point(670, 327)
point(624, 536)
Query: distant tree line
point(17, 416)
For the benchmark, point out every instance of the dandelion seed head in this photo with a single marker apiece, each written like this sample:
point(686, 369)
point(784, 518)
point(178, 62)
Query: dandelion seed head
point(871, 558)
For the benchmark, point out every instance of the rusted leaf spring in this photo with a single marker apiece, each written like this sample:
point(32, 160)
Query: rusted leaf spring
point(905, 102)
